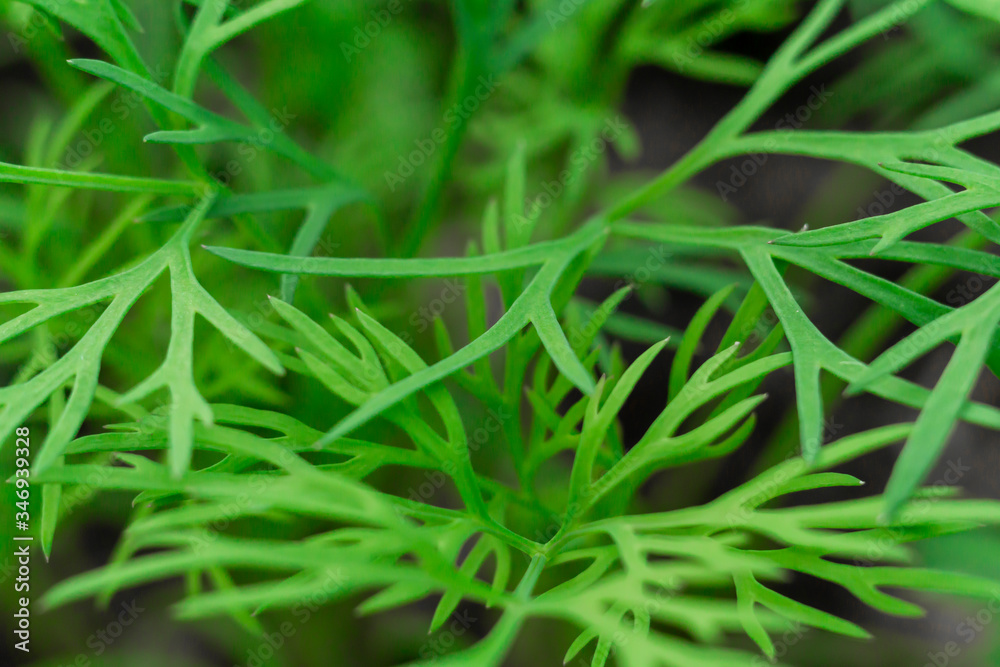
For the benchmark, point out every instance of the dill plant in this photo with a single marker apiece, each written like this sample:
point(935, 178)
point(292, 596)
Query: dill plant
point(542, 518)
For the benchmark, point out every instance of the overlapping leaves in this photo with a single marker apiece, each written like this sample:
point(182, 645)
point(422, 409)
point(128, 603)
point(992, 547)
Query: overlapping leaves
point(632, 564)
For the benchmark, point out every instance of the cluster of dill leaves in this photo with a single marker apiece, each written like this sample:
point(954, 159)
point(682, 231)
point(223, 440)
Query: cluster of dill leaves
point(383, 455)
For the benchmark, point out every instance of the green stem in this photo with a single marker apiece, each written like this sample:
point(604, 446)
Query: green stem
point(786, 68)
point(530, 578)
point(11, 173)
point(424, 219)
